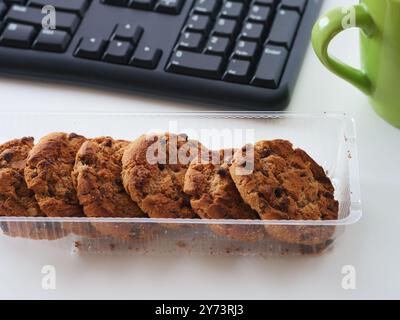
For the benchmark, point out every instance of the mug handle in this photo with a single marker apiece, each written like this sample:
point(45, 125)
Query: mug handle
point(326, 28)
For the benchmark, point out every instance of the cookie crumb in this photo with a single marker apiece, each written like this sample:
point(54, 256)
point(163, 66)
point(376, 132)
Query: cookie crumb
point(181, 244)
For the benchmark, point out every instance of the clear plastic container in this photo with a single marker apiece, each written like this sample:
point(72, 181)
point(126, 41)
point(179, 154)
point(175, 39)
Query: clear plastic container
point(328, 138)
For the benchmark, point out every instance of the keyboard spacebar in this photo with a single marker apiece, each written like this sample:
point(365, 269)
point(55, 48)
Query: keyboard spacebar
point(196, 64)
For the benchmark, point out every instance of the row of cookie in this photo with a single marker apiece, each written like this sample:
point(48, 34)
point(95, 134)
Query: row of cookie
point(39, 180)
point(67, 175)
point(269, 180)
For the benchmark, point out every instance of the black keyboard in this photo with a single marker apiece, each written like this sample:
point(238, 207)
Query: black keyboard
point(240, 53)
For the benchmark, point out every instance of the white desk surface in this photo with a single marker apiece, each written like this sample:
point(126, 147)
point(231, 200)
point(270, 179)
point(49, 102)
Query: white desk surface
point(371, 246)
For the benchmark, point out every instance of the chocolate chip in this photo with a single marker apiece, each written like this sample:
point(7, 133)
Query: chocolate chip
point(278, 192)
point(7, 156)
point(120, 185)
point(51, 191)
point(266, 152)
point(153, 138)
point(324, 180)
point(34, 175)
point(261, 195)
point(27, 139)
point(297, 166)
point(161, 166)
point(186, 201)
point(108, 143)
point(85, 160)
point(328, 195)
point(175, 167)
point(183, 136)
point(73, 135)
point(118, 182)
point(222, 172)
point(247, 148)
point(284, 206)
point(307, 249)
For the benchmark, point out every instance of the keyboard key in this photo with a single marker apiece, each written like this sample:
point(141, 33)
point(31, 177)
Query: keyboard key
point(17, 35)
point(226, 27)
point(198, 23)
point(129, 32)
point(270, 68)
point(252, 31)
point(298, 5)
point(245, 50)
point(75, 6)
point(234, 10)
point(118, 52)
point(146, 57)
point(237, 71)
point(122, 3)
point(218, 45)
point(190, 41)
point(259, 13)
point(196, 64)
point(284, 28)
point(11, 2)
point(270, 3)
point(52, 40)
point(169, 6)
point(143, 4)
point(20, 14)
point(91, 48)
point(209, 7)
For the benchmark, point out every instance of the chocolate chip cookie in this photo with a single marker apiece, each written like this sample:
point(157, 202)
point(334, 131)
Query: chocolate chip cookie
point(153, 173)
point(97, 179)
point(282, 183)
point(48, 174)
point(16, 199)
point(214, 196)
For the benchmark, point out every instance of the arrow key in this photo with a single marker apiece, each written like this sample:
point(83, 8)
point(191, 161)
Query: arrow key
point(146, 57)
point(129, 32)
point(118, 52)
point(91, 48)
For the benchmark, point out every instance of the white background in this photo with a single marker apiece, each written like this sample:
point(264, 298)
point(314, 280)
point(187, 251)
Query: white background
point(371, 246)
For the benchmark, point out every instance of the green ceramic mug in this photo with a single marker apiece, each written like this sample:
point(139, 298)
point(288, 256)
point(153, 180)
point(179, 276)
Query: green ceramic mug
point(379, 77)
